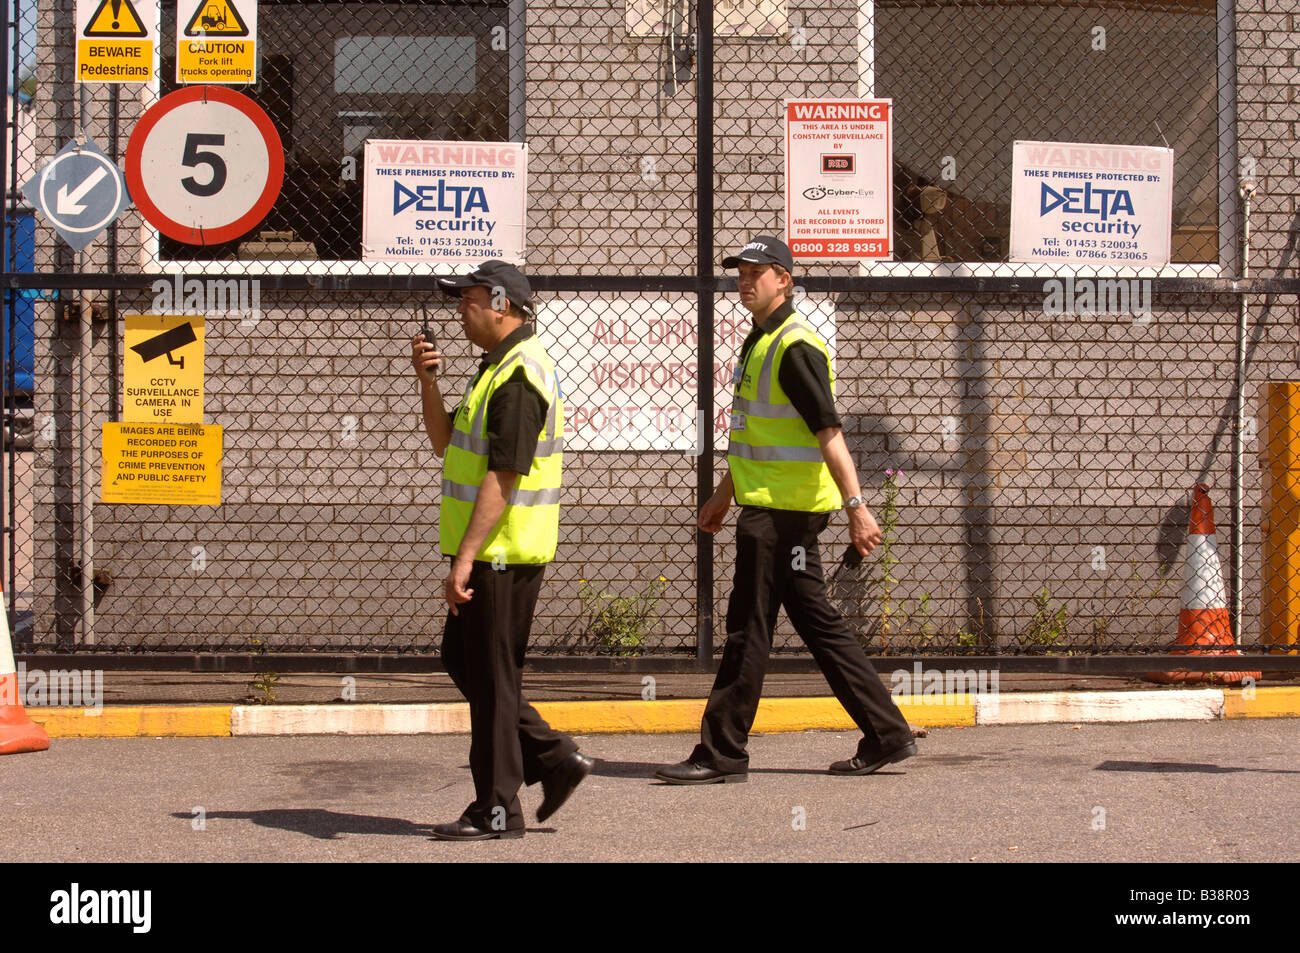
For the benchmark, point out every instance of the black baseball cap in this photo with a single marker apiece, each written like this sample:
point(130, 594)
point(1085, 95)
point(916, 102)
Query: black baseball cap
point(494, 274)
point(763, 250)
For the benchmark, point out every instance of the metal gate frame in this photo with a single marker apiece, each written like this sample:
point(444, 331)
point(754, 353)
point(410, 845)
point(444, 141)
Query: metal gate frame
point(705, 285)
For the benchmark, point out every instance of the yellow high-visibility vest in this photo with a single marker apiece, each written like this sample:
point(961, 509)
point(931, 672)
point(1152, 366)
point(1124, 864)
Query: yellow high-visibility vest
point(529, 528)
point(775, 459)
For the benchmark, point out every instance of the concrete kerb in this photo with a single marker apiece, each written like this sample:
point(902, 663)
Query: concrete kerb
point(667, 716)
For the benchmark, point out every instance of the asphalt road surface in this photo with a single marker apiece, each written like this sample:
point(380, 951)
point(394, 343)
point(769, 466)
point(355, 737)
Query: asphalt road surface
point(1171, 791)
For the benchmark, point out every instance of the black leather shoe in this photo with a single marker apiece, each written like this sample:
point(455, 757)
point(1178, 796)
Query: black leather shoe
point(688, 772)
point(561, 781)
point(856, 765)
point(464, 830)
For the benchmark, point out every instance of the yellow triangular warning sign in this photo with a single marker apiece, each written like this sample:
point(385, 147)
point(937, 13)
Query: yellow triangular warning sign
point(116, 19)
point(216, 18)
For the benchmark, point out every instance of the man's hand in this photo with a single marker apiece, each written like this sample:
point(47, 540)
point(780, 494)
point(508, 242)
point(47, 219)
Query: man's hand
point(425, 359)
point(864, 531)
point(714, 511)
point(456, 593)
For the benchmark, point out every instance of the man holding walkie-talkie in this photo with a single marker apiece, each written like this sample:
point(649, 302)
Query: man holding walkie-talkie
point(498, 524)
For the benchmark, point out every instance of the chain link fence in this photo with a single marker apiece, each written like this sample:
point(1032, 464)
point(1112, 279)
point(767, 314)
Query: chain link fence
point(1028, 459)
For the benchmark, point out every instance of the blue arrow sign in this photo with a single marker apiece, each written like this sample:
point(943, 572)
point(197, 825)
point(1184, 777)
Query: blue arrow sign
point(80, 191)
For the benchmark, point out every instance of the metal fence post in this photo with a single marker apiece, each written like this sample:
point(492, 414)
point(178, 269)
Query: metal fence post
point(1246, 193)
point(6, 342)
point(704, 293)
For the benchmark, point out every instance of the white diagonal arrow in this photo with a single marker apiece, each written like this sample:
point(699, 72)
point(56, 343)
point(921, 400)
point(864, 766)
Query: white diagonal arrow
point(69, 203)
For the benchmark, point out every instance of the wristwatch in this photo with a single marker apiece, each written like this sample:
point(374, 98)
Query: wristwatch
point(853, 502)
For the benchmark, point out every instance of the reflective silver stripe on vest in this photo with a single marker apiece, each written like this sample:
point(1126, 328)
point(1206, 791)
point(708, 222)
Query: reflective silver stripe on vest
point(468, 494)
point(466, 441)
point(741, 405)
point(746, 451)
point(459, 491)
point(479, 445)
point(476, 425)
point(547, 447)
point(553, 382)
point(765, 375)
point(534, 497)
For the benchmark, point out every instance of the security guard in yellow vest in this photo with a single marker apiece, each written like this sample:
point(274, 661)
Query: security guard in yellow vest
point(498, 524)
point(788, 466)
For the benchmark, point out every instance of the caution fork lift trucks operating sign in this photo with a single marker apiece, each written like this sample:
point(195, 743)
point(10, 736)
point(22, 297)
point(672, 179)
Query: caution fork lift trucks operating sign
point(216, 41)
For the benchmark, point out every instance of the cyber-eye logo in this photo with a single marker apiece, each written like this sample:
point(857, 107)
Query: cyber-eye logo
point(818, 192)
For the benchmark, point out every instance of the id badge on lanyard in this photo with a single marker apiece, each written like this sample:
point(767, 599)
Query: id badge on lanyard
point(737, 420)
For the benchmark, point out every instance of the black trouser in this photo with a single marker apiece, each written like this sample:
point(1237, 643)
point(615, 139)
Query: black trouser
point(772, 572)
point(483, 650)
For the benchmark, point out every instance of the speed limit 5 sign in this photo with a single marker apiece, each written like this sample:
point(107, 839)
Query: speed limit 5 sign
point(204, 165)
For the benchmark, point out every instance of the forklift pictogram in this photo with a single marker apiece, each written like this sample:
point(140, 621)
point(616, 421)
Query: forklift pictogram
point(213, 17)
point(220, 18)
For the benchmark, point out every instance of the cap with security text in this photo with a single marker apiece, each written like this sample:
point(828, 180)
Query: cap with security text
point(498, 276)
point(762, 250)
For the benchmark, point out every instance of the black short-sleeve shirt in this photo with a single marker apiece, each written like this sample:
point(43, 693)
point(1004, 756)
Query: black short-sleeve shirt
point(804, 374)
point(515, 414)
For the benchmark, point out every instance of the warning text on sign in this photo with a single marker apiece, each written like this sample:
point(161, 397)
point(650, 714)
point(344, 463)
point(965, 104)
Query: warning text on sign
point(161, 463)
point(163, 367)
point(114, 61)
point(216, 61)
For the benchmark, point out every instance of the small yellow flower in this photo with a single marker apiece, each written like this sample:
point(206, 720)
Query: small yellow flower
point(662, 579)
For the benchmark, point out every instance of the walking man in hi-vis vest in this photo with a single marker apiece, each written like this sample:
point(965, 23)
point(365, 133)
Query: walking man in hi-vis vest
point(498, 524)
point(788, 466)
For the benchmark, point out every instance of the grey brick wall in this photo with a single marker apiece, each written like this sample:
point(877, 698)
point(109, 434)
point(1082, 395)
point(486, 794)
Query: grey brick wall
point(1068, 432)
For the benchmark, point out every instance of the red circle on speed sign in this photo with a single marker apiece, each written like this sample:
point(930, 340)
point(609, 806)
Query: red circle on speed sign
point(204, 165)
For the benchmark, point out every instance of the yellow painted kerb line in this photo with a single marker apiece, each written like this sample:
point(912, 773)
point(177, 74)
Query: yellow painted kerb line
point(134, 721)
point(587, 717)
point(608, 717)
point(1281, 701)
point(774, 714)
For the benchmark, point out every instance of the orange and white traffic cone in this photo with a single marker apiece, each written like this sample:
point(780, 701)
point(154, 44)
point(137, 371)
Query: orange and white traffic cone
point(1203, 619)
point(17, 732)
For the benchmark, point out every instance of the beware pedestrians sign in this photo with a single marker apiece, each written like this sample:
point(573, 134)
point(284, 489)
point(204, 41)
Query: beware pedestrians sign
point(80, 191)
point(115, 42)
point(218, 43)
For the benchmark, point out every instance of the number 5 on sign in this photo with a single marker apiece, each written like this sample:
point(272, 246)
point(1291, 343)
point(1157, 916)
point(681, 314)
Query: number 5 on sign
point(205, 165)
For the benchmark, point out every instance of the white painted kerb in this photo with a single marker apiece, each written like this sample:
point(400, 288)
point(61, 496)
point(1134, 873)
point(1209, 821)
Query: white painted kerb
point(348, 719)
point(1021, 708)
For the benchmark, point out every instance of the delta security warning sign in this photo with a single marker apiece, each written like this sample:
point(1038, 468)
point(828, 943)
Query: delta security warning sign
point(1090, 204)
point(431, 201)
